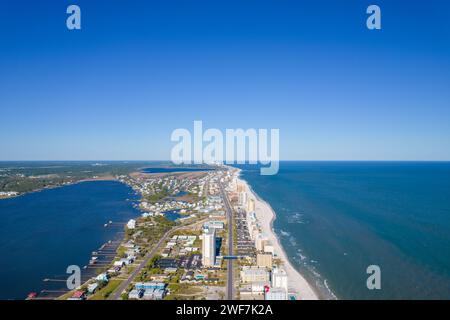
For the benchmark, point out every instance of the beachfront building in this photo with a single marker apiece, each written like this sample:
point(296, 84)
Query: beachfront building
point(280, 279)
point(259, 287)
point(264, 260)
point(253, 231)
point(252, 225)
point(135, 294)
point(131, 224)
point(275, 294)
point(209, 247)
point(92, 287)
point(268, 248)
point(251, 205)
point(260, 241)
point(251, 274)
point(243, 198)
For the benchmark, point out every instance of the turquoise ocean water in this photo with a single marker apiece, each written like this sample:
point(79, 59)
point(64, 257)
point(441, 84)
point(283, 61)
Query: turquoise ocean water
point(336, 218)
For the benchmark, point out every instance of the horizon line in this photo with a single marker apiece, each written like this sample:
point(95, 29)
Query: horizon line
point(190, 164)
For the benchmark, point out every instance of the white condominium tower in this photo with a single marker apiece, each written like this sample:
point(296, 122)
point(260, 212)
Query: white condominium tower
point(209, 247)
point(251, 205)
point(243, 198)
point(279, 279)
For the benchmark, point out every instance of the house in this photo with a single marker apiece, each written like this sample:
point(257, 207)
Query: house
point(189, 275)
point(199, 277)
point(92, 287)
point(129, 244)
point(170, 270)
point(131, 224)
point(78, 295)
point(259, 287)
point(159, 294)
point(126, 261)
point(102, 277)
point(113, 270)
point(254, 274)
point(135, 294)
point(149, 294)
point(150, 285)
point(214, 224)
point(119, 263)
point(276, 294)
point(165, 253)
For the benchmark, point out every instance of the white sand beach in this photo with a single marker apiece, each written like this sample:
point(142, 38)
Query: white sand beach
point(265, 216)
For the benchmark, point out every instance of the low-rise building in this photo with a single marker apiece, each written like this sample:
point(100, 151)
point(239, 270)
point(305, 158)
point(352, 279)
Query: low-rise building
point(261, 241)
point(150, 285)
point(92, 287)
point(268, 248)
point(254, 274)
point(276, 294)
point(135, 294)
point(259, 287)
point(214, 224)
point(131, 224)
point(102, 277)
point(280, 279)
point(264, 260)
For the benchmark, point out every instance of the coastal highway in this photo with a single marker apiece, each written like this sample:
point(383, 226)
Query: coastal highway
point(230, 280)
point(117, 294)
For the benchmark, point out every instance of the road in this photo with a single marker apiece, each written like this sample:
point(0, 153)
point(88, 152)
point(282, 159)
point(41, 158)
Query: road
point(230, 280)
point(117, 294)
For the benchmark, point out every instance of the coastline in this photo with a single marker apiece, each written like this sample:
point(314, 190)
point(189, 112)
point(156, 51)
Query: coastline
point(112, 201)
point(265, 216)
point(120, 238)
point(103, 178)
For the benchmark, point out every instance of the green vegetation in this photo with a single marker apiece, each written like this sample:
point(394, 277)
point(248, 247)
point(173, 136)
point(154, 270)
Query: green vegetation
point(25, 177)
point(104, 292)
point(156, 197)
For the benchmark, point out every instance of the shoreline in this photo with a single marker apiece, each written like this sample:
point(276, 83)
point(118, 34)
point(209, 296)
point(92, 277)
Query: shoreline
point(266, 216)
point(120, 238)
point(105, 178)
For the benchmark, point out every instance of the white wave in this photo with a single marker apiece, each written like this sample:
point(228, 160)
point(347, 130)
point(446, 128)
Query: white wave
point(285, 233)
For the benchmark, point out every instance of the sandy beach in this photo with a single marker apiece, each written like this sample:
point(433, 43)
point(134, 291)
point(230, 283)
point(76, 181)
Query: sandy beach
point(265, 216)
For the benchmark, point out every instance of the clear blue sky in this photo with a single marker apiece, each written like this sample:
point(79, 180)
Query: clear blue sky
point(139, 69)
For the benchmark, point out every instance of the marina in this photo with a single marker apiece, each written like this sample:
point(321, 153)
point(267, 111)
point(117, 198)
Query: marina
point(76, 216)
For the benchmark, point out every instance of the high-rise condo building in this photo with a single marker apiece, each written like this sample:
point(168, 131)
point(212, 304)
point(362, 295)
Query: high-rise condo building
point(209, 247)
point(280, 279)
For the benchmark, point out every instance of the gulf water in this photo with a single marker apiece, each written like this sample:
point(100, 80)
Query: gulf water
point(42, 233)
point(335, 219)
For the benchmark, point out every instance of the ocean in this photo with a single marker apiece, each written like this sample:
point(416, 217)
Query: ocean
point(42, 233)
point(173, 169)
point(334, 219)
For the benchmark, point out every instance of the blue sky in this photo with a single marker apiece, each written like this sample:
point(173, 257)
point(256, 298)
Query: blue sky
point(140, 69)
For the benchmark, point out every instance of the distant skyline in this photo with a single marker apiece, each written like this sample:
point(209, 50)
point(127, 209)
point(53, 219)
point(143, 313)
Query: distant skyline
point(137, 70)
